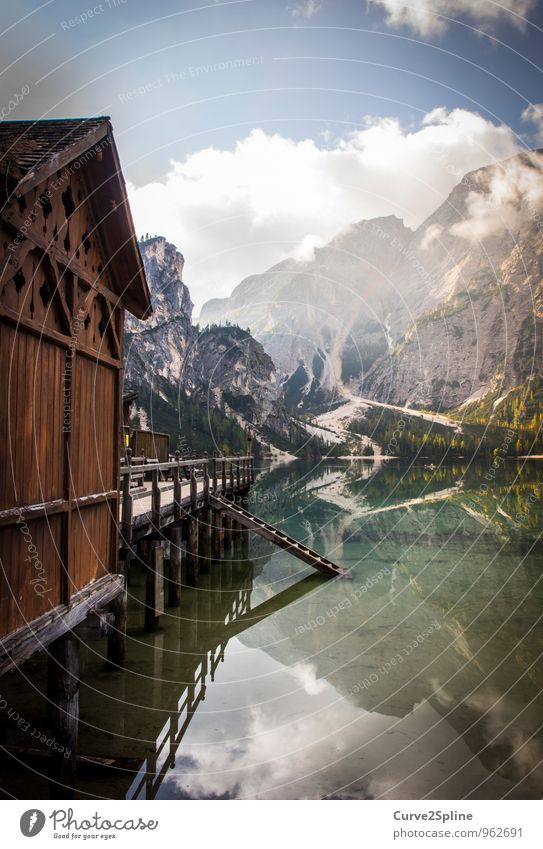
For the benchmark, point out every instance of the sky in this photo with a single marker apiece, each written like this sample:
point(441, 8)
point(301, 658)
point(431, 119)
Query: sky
point(252, 130)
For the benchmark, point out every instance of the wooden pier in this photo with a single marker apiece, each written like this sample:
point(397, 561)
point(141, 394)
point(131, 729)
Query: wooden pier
point(197, 502)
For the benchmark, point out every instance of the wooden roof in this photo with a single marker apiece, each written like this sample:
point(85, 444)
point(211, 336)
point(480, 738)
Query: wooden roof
point(32, 151)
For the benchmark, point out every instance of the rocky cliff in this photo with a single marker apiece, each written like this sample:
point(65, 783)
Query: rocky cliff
point(176, 369)
point(439, 316)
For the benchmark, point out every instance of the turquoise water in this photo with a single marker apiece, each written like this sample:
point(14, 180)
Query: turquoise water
point(419, 678)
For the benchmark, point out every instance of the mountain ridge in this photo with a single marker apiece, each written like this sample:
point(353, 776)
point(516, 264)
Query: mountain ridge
point(408, 315)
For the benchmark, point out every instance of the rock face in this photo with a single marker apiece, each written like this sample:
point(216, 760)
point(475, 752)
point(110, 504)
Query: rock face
point(168, 359)
point(437, 316)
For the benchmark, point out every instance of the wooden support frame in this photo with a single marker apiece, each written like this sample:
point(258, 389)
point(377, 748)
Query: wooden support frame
point(39, 634)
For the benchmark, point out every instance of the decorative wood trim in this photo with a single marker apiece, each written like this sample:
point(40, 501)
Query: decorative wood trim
point(14, 221)
point(111, 329)
point(59, 296)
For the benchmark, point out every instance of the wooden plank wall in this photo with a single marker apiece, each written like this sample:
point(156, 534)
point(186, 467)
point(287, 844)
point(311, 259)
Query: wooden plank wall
point(59, 318)
point(151, 443)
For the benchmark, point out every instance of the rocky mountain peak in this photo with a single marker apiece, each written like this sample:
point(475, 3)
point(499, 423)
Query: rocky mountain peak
point(222, 368)
point(170, 296)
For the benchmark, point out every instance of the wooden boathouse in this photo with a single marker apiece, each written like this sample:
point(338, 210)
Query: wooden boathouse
point(70, 267)
point(79, 496)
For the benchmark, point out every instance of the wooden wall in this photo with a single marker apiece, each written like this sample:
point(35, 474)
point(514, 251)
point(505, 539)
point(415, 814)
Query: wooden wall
point(151, 443)
point(60, 416)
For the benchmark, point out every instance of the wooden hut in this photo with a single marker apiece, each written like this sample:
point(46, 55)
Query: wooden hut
point(70, 266)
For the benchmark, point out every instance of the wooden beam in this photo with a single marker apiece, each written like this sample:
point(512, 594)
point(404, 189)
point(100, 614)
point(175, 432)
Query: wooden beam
point(174, 586)
point(116, 643)
point(154, 592)
point(192, 550)
point(35, 636)
point(98, 624)
point(63, 690)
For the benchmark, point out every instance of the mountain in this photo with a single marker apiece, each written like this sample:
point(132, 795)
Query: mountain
point(202, 387)
point(444, 315)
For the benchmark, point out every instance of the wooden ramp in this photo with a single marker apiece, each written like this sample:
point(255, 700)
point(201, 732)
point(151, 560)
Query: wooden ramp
point(282, 540)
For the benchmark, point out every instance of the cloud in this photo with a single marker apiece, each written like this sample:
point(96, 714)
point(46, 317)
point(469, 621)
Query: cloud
point(501, 202)
point(429, 17)
point(305, 250)
point(430, 235)
point(306, 9)
point(237, 212)
point(533, 114)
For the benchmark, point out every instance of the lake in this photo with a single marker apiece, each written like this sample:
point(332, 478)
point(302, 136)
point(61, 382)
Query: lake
point(419, 678)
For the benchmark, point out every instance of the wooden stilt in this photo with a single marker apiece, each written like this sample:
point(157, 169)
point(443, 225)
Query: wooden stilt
point(63, 689)
point(154, 593)
point(236, 535)
point(244, 542)
point(192, 550)
point(116, 641)
point(204, 537)
point(174, 586)
point(227, 522)
point(216, 532)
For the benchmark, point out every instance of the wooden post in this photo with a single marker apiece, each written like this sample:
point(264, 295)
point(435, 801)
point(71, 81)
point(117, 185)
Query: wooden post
point(193, 490)
point(231, 476)
point(154, 591)
point(116, 641)
point(237, 472)
point(223, 475)
point(174, 586)
point(155, 499)
point(192, 550)
point(176, 489)
point(204, 536)
point(227, 532)
point(216, 539)
point(63, 690)
point(236, 536)
point(214, 472)
point(244, 541)
point(206, 481)
point(127, 508)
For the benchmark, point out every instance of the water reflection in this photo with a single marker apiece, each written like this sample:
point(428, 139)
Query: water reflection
point(419, 678)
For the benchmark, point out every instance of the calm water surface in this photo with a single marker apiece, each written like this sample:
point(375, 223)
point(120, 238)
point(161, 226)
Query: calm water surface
point(419, 678)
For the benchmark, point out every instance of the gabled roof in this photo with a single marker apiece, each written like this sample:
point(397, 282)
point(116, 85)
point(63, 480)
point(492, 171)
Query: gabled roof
point(32, 151)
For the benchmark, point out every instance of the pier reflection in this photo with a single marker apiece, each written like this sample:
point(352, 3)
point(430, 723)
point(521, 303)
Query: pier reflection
point(146, 713)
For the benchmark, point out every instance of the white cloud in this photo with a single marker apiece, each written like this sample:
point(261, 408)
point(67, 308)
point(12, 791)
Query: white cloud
point(533, 114)
point(305, 250)
point(429, 17)
point(501, 203)
point(237, 212)
point(430, 235)
point(306, 9)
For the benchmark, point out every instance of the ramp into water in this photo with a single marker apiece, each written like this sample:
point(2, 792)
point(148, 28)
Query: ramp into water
point(278, 538)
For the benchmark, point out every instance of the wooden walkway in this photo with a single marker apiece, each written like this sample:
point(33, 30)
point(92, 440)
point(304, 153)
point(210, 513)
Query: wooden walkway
point(208, 484)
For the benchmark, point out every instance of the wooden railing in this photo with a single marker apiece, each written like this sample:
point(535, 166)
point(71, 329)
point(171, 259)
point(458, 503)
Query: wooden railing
point(215, 475)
